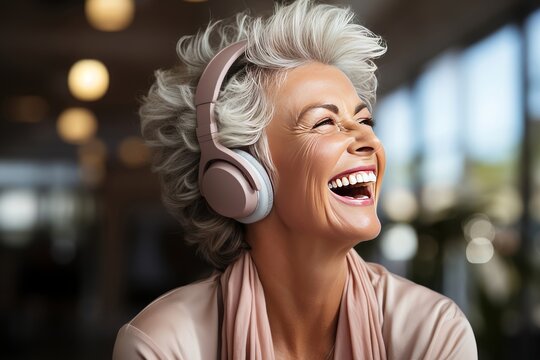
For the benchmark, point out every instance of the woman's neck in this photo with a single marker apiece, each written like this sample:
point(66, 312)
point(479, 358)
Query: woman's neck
point(303, 284)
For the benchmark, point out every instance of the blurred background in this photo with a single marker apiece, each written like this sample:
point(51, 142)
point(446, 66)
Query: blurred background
point(85, 242)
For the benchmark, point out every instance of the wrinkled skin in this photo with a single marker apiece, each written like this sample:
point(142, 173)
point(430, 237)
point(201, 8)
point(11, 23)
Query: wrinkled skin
point(310, 150)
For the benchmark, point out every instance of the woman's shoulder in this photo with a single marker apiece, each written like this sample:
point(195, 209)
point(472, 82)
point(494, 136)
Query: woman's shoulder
point(419, 323)
point(401, 293)
point(179, 324)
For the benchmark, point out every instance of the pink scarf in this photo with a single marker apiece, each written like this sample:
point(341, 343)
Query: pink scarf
point(246, 330)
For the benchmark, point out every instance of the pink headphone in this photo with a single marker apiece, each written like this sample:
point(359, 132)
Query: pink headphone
point(232, 181)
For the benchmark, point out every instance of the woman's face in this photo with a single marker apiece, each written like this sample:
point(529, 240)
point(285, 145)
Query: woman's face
point(326, 155)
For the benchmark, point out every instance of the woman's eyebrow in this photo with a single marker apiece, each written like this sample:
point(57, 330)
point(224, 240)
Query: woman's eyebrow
point(331, 107)
point(359, 108)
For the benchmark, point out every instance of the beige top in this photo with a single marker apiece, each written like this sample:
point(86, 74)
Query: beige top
point(183, 324)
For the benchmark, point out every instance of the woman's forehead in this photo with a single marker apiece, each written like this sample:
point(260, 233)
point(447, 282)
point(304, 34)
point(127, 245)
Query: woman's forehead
point(315, 84)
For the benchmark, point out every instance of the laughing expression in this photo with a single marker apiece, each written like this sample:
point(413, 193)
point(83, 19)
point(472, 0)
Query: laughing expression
point(328, 160)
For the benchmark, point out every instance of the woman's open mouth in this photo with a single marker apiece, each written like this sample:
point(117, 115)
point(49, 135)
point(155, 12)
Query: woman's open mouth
point(355, 187)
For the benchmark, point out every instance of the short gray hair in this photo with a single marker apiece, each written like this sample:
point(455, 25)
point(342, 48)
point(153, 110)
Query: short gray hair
point(294, 35)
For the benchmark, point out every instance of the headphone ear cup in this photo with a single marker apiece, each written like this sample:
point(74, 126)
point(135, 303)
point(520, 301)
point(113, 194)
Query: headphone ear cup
point(227, 190)
point(265, 197)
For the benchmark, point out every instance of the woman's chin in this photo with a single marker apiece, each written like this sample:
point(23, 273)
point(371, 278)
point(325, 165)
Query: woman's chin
point(353, 234)
point(370, 234)
point(361, 224)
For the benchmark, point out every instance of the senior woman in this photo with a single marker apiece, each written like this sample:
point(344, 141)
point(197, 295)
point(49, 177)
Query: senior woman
point(267, 156)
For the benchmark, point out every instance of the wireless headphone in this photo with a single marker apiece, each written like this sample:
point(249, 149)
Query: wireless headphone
point(232, 181)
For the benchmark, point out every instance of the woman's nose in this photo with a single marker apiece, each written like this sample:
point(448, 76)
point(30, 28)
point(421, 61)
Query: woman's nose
point(367, 144)
point(365, 141)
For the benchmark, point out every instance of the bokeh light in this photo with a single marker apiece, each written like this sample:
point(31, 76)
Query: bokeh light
point(399, 242)
point(92, 162)
point(18, 210)
point(76, 125)
point(479, 250)
point(88, 79)
point(133, 152)
point(110, 15)
point(438, 198)
point(94, 149)
point(92, 172)
point(505, 205)
point(400, 205)
point(477, 226)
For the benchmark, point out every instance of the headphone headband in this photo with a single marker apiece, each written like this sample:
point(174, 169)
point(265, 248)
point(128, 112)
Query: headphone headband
point(206, 95)
point(209, 85)
point(214, 73)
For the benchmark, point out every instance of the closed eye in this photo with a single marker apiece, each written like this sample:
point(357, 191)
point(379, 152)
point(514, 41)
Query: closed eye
point(367, 121)
point(327, 121)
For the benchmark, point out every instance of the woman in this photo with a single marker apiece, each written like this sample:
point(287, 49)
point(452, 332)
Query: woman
point(280, 214)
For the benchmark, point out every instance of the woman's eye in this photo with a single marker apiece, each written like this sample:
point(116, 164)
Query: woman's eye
point(324, 122)
point(367, 121)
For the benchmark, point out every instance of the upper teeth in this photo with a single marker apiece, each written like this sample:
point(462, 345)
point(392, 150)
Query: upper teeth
point(352, 179)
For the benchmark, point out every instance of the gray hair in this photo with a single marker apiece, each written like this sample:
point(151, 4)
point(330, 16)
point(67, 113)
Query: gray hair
point(294, 35)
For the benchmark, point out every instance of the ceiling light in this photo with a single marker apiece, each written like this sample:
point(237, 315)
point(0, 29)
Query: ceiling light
point(110, 15)
point(88, 80)
point(76, 125)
